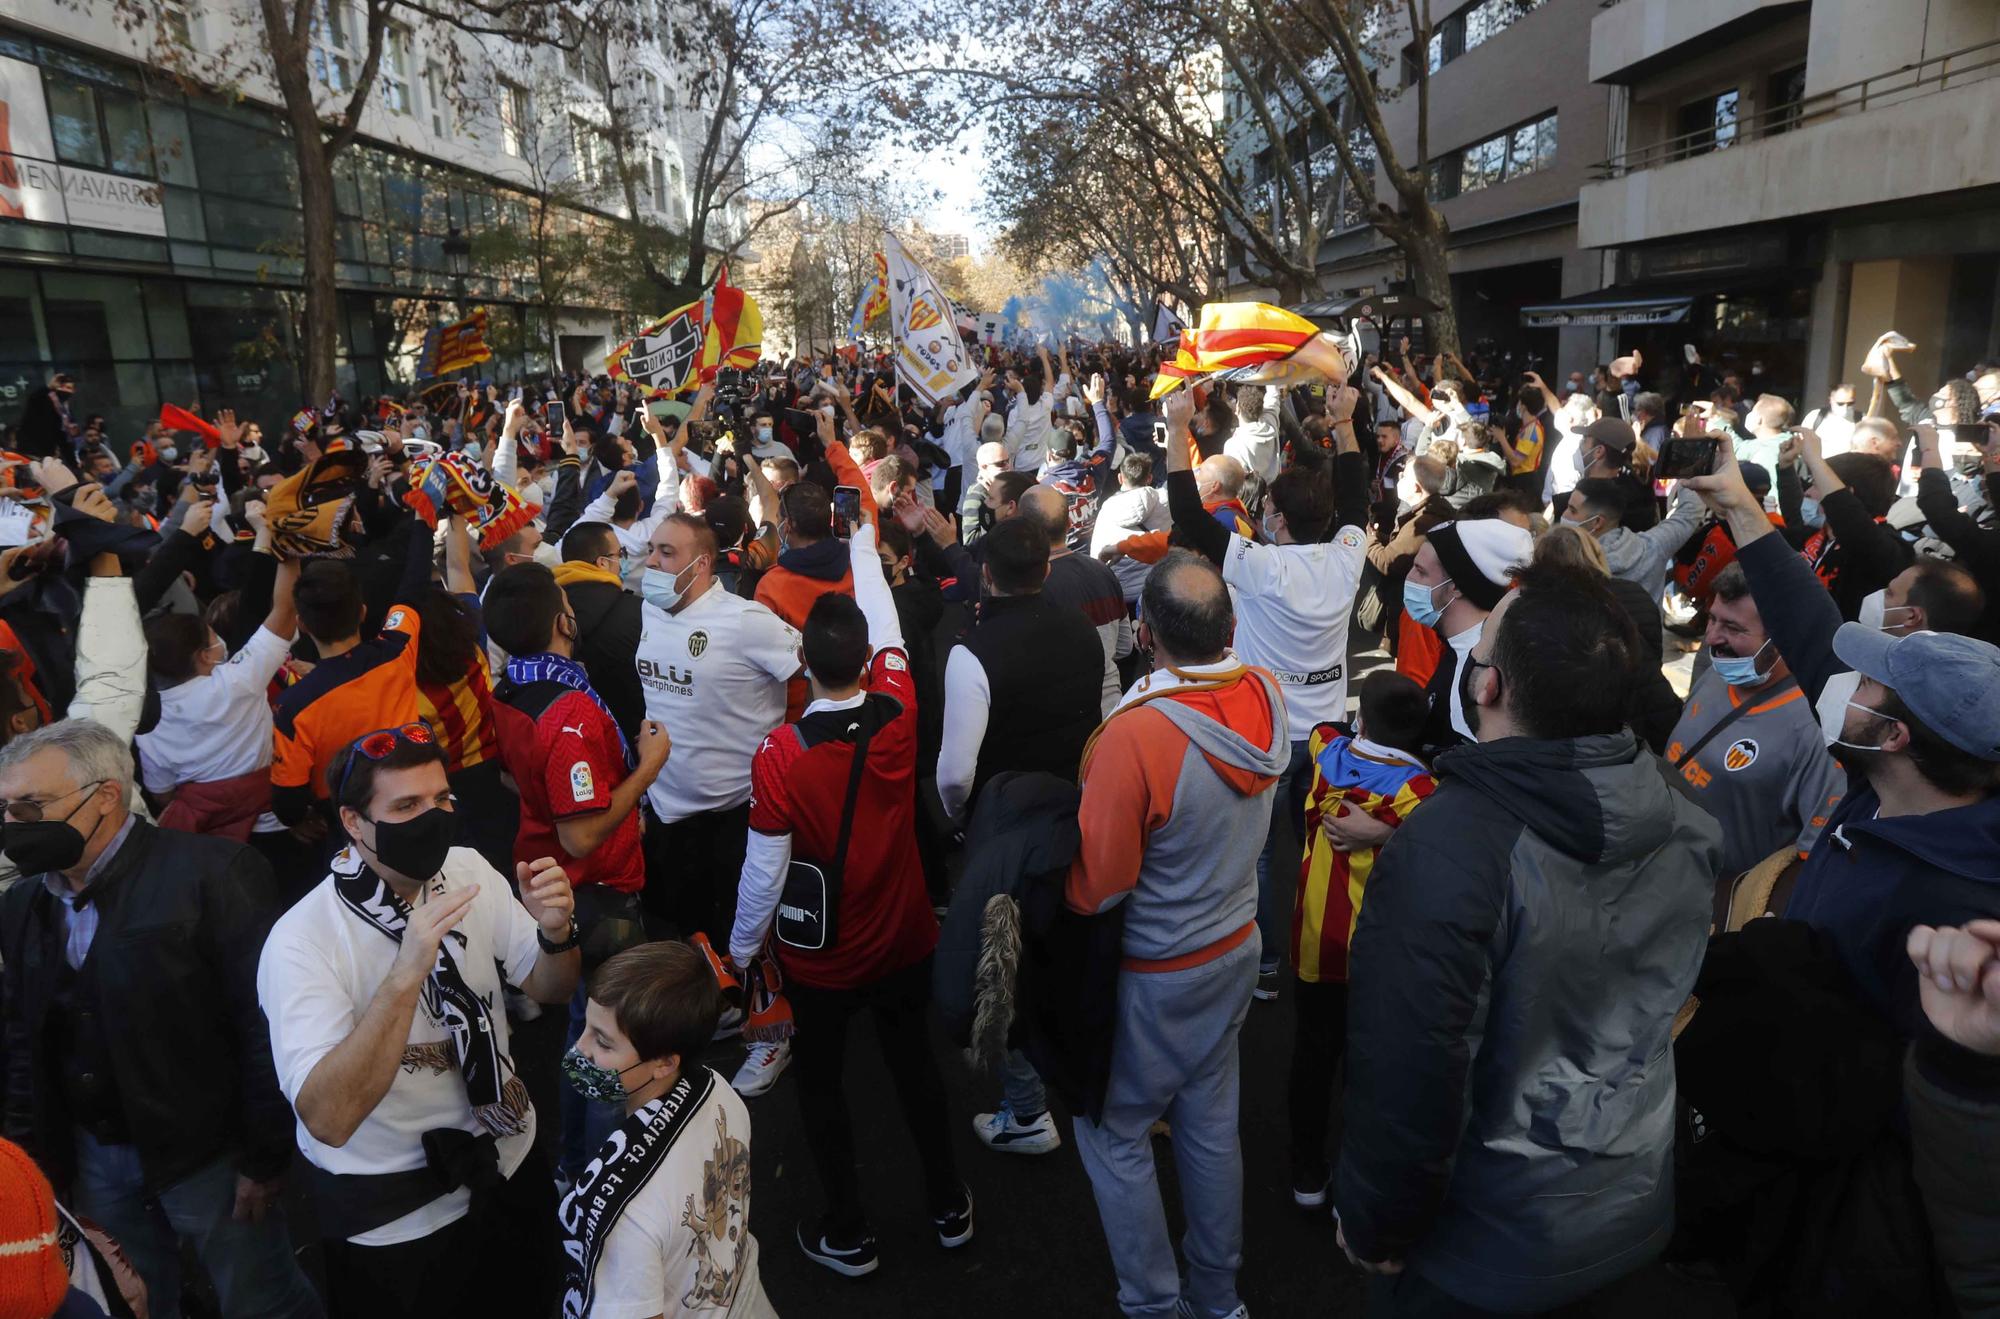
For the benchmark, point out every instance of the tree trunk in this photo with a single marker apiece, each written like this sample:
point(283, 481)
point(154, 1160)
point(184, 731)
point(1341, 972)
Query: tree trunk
point(322, 298)
point(1428, 251)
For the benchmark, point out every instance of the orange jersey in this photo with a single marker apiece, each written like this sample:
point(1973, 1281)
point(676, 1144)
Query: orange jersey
point(372, 686)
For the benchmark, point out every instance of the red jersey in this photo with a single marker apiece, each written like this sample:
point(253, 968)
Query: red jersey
point(566, 757)
point(798, 783)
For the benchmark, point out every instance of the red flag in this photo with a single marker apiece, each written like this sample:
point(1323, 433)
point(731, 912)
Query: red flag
point(180, 419)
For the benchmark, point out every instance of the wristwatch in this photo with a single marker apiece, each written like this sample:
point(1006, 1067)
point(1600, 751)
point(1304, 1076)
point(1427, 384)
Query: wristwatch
point(571, 940)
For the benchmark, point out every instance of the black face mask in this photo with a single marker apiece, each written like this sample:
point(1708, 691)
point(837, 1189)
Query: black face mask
point(1465, 701)
point(415, 848)
point(987, 518)
point(42, 847)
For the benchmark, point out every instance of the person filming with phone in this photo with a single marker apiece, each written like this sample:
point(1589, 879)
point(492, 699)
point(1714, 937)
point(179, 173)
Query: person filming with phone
point(1598, 507)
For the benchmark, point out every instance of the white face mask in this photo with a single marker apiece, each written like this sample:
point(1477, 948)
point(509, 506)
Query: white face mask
point(1875, 612)
point(1835, 700)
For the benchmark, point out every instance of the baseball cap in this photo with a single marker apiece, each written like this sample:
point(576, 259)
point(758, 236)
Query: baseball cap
point(1949, 682)
point(1611, 433)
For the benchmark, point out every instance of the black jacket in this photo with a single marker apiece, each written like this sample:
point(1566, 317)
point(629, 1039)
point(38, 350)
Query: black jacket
point(173, 985)
point(608, 622)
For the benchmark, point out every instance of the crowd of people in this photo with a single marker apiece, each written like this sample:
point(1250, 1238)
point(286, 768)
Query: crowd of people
point(335, 746)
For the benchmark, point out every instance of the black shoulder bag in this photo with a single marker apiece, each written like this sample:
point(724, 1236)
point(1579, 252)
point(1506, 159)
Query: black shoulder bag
point(809, 907)
point(1779, 690)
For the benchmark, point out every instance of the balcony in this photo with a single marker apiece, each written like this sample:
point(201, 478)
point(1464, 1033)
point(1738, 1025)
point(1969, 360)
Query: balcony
point(1910, 132)
point(1630, 39)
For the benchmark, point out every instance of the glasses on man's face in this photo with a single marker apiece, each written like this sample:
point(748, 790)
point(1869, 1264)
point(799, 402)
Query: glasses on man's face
point(30, 810)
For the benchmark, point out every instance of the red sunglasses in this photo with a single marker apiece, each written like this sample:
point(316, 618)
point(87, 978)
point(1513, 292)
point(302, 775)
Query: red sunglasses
point(379, 744)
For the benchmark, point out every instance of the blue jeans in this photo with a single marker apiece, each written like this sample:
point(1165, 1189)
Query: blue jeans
point(1277, 886)
point(1021, 1085)
point(1174, 1055)
point(251, 1264)
point(586, 1123)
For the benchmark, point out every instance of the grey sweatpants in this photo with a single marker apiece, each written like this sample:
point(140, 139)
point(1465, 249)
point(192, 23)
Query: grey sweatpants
point(1174, 1056)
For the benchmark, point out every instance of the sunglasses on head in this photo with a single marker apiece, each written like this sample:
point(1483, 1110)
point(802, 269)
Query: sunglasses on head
point(378, 744)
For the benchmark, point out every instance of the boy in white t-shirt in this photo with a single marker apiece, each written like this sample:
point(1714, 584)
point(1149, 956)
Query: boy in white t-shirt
point(659, 1223)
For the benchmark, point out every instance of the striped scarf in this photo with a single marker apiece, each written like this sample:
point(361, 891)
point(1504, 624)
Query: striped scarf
point(545, 667)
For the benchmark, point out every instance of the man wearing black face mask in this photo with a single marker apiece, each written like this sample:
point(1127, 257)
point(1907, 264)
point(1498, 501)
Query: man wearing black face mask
point(382, 988)
point(139, 1069)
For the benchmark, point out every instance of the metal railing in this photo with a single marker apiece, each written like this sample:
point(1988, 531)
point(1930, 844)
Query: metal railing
point(1877, 91)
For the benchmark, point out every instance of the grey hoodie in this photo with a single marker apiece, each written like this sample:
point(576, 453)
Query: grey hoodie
point(1530, 932)
point(1642, 556)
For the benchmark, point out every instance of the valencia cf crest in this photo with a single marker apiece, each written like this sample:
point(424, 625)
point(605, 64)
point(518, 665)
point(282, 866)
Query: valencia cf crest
point(1742, 754)
point(697, 643)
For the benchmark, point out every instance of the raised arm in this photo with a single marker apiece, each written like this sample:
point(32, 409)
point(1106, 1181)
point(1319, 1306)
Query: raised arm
point(1201, 531)
point(1405, 400)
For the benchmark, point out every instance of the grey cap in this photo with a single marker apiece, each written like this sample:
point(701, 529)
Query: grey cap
point(1949, 682)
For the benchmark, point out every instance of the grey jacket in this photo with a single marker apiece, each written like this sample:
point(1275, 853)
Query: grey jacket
point(1530, 932)
point(1642, 556)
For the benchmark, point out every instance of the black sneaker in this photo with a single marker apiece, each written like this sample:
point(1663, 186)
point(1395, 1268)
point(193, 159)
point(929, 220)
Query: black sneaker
point(954, 1228)
point(1267, 986)
point(850, 1259)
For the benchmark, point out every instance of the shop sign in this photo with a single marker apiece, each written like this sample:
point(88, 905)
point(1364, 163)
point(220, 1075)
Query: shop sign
point(34, 187)
point(1708, 257)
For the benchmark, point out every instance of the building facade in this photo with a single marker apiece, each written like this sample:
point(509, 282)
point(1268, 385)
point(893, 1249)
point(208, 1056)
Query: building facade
point(150, 225)
point(1514, 130)
point(1787, 180)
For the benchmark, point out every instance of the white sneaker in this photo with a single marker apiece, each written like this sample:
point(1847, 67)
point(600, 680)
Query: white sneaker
point(1001, 1132)
point(761, 1070)
point(729, 1025)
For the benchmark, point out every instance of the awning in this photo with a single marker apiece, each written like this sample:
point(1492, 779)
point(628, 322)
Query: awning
point(1613, 306)
point(1374, 306)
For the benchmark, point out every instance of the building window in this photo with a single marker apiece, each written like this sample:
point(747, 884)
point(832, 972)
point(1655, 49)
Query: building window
point(583, 150)
point(395, 70)
point(99, 127)
point(1782, 96)
point(516, 115)
point(1706, 125)
point(436, 100)
point(659, 184)
point(334, 57)
point(175, 24)
point(1514, 154)
point(1466, 30)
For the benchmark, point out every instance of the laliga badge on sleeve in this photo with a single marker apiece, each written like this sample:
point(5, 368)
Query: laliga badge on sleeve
point(581, 785)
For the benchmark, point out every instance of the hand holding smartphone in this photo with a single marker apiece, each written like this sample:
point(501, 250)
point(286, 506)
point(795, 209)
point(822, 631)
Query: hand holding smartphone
point(846, 510)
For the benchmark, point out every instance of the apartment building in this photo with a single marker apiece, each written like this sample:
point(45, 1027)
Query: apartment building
point(1786, 180)
point(150, 224)
point(1515, 127)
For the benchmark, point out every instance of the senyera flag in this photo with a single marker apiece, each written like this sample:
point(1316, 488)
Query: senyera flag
point(454, 347)
point(1236, 334)
point(1180, 370)
point(693, 343)
point(874, 298)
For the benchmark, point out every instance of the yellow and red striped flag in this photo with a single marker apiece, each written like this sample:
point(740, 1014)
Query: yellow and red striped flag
point(1248, 333)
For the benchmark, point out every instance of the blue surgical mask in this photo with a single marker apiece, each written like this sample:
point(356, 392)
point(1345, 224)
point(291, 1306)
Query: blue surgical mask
point(1738, 670)
point(1419, 603)
point(1809, 513)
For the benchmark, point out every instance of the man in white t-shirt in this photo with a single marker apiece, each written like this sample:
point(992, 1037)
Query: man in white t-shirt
point(383, 987)
point(713, 667)
point(659, 1223)
point(1292, 599)
point(1028, 420)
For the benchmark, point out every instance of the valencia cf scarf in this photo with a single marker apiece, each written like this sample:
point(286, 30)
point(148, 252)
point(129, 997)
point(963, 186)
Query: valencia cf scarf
point(452, 483)
point(627, 1161)
point(499, 1098)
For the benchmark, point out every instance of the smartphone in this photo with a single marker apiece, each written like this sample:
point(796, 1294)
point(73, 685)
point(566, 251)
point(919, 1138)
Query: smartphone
point(1160, 433)
point(1684, 456)
point(846, 510)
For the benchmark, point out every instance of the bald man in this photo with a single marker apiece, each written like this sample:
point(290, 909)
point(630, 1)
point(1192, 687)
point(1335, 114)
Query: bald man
point(1081, 582)
point(974, 518)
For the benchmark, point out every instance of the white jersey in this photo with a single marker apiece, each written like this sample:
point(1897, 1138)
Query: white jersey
point(219, 726)
point(1028, 433)
point(715, 675)
point(1292, 605)
point(318, 972)
point(682, 1244)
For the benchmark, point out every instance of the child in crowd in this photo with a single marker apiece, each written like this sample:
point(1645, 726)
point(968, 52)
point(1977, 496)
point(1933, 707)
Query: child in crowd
point(659, 1223)
point(1373, 772)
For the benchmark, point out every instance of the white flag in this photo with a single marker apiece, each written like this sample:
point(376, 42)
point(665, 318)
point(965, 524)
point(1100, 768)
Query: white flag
point(930, 357)
point(1167, 327)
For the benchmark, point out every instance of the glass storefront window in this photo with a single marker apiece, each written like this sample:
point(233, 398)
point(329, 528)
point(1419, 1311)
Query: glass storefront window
point(95, 316)
point(166, 318)
point(73, 122)
point(238, 161)
point(251, 228)
point(20, 339)
point(173, 144)
point(184, 214)
point(128, 143)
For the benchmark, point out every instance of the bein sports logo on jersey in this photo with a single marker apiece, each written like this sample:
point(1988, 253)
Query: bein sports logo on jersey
point(1742, 754)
